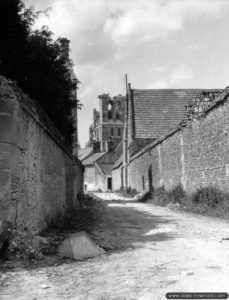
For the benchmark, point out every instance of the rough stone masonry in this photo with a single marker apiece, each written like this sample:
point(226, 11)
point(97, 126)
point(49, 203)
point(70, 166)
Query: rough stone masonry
point(195, 155)
point(39, 179)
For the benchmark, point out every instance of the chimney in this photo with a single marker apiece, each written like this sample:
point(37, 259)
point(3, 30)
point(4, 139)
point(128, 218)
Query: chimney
point(109, 146)
point(64, 48)
point(96, 146)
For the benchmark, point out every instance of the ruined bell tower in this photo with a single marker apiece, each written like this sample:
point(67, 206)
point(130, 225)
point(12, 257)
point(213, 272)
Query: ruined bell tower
point(108, 122)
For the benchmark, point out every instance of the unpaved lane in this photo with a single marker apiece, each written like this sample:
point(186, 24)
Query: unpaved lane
point(150, 251)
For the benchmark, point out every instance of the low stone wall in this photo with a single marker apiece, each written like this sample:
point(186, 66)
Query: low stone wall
point(39, 179)
point(196, 155)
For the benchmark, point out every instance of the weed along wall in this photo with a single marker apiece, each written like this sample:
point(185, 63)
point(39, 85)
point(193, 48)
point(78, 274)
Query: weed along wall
point(39, 180)
point(196, 155)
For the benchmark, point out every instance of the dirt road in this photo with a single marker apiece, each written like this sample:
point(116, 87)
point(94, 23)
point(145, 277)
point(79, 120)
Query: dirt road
point(150, 251)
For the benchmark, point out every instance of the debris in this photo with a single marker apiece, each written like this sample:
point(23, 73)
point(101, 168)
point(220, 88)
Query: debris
point(141, 197)
point(173, 206)
point(5, 231)
point(188, 273)
point(79, 246)
point(21, 247)
point(44, 286)
point(39, 240)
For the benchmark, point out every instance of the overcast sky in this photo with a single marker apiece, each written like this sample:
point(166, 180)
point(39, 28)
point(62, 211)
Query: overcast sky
point(159, 44)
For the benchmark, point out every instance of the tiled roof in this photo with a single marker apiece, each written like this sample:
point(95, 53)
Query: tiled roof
point(156, 111)
point(83, 153)
point(92, 158)
point(118, 149)
point(107, 161)
point(118, 162)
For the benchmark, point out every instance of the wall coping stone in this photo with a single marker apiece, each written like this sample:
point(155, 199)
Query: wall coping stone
point(33, 108)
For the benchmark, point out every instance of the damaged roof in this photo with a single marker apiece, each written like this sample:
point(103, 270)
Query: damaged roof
point(156, 111)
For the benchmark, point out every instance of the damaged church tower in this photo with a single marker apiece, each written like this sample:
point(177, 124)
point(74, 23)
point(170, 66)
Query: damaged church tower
point(108, 122)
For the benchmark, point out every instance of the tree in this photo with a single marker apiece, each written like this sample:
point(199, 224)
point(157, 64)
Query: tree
point(34, 60)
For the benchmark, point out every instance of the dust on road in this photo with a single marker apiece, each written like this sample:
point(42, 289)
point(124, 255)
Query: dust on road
point(150, 251)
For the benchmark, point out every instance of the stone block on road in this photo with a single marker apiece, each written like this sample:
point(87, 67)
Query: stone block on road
point(79, 246)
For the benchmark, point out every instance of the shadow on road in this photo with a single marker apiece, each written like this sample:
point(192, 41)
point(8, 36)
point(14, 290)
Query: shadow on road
point(114, 225)
point(119, 225)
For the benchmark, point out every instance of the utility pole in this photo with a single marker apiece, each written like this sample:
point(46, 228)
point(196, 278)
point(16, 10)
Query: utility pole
point(125, 139)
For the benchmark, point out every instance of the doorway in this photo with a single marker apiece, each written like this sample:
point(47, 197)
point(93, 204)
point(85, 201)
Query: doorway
point(109, 183)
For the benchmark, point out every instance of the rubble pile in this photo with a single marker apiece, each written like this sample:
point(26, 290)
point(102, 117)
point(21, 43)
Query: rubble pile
point(16, 245)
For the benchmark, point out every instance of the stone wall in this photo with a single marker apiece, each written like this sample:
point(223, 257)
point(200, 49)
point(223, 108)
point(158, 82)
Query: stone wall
point(117, 178)
point(196, 155)
point(100, 180)
point(39, 179)
point(89, 178)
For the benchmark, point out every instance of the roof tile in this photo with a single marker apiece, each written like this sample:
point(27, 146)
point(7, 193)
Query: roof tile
point(156, 111)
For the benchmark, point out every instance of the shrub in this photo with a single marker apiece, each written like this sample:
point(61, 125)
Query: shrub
point(129, 193)
point(210, 196)
point(161, 196)
point(178, 194)
point(33, 59)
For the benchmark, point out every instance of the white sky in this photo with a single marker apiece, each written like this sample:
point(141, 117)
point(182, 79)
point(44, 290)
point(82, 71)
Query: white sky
point(158, 43)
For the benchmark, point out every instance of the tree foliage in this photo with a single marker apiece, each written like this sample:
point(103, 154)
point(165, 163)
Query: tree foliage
point(34, 60)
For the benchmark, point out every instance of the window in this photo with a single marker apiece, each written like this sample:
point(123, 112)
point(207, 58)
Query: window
point(119, 131)
point(117, 116)
point(112, 131)
point(109, 111)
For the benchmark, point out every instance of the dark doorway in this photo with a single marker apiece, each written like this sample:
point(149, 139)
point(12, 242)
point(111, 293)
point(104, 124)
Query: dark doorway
point(150, 179)
point(109, 183)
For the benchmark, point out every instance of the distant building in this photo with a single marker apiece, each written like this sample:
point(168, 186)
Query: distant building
point(98, 165)
point(108, 122)
point(106, 141)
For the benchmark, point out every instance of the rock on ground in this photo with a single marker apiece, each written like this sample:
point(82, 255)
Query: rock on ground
point(79, 246)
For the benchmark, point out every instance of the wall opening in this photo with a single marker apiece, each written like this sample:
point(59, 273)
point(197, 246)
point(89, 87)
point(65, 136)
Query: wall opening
point(109, 183)
point(143, 183)
point(109, 110)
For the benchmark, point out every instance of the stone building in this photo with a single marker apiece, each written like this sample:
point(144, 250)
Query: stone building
point(98, 165)
point(108, 122)
point(149, 115)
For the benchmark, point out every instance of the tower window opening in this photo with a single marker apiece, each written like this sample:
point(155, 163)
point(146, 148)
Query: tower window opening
point(109, 111)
